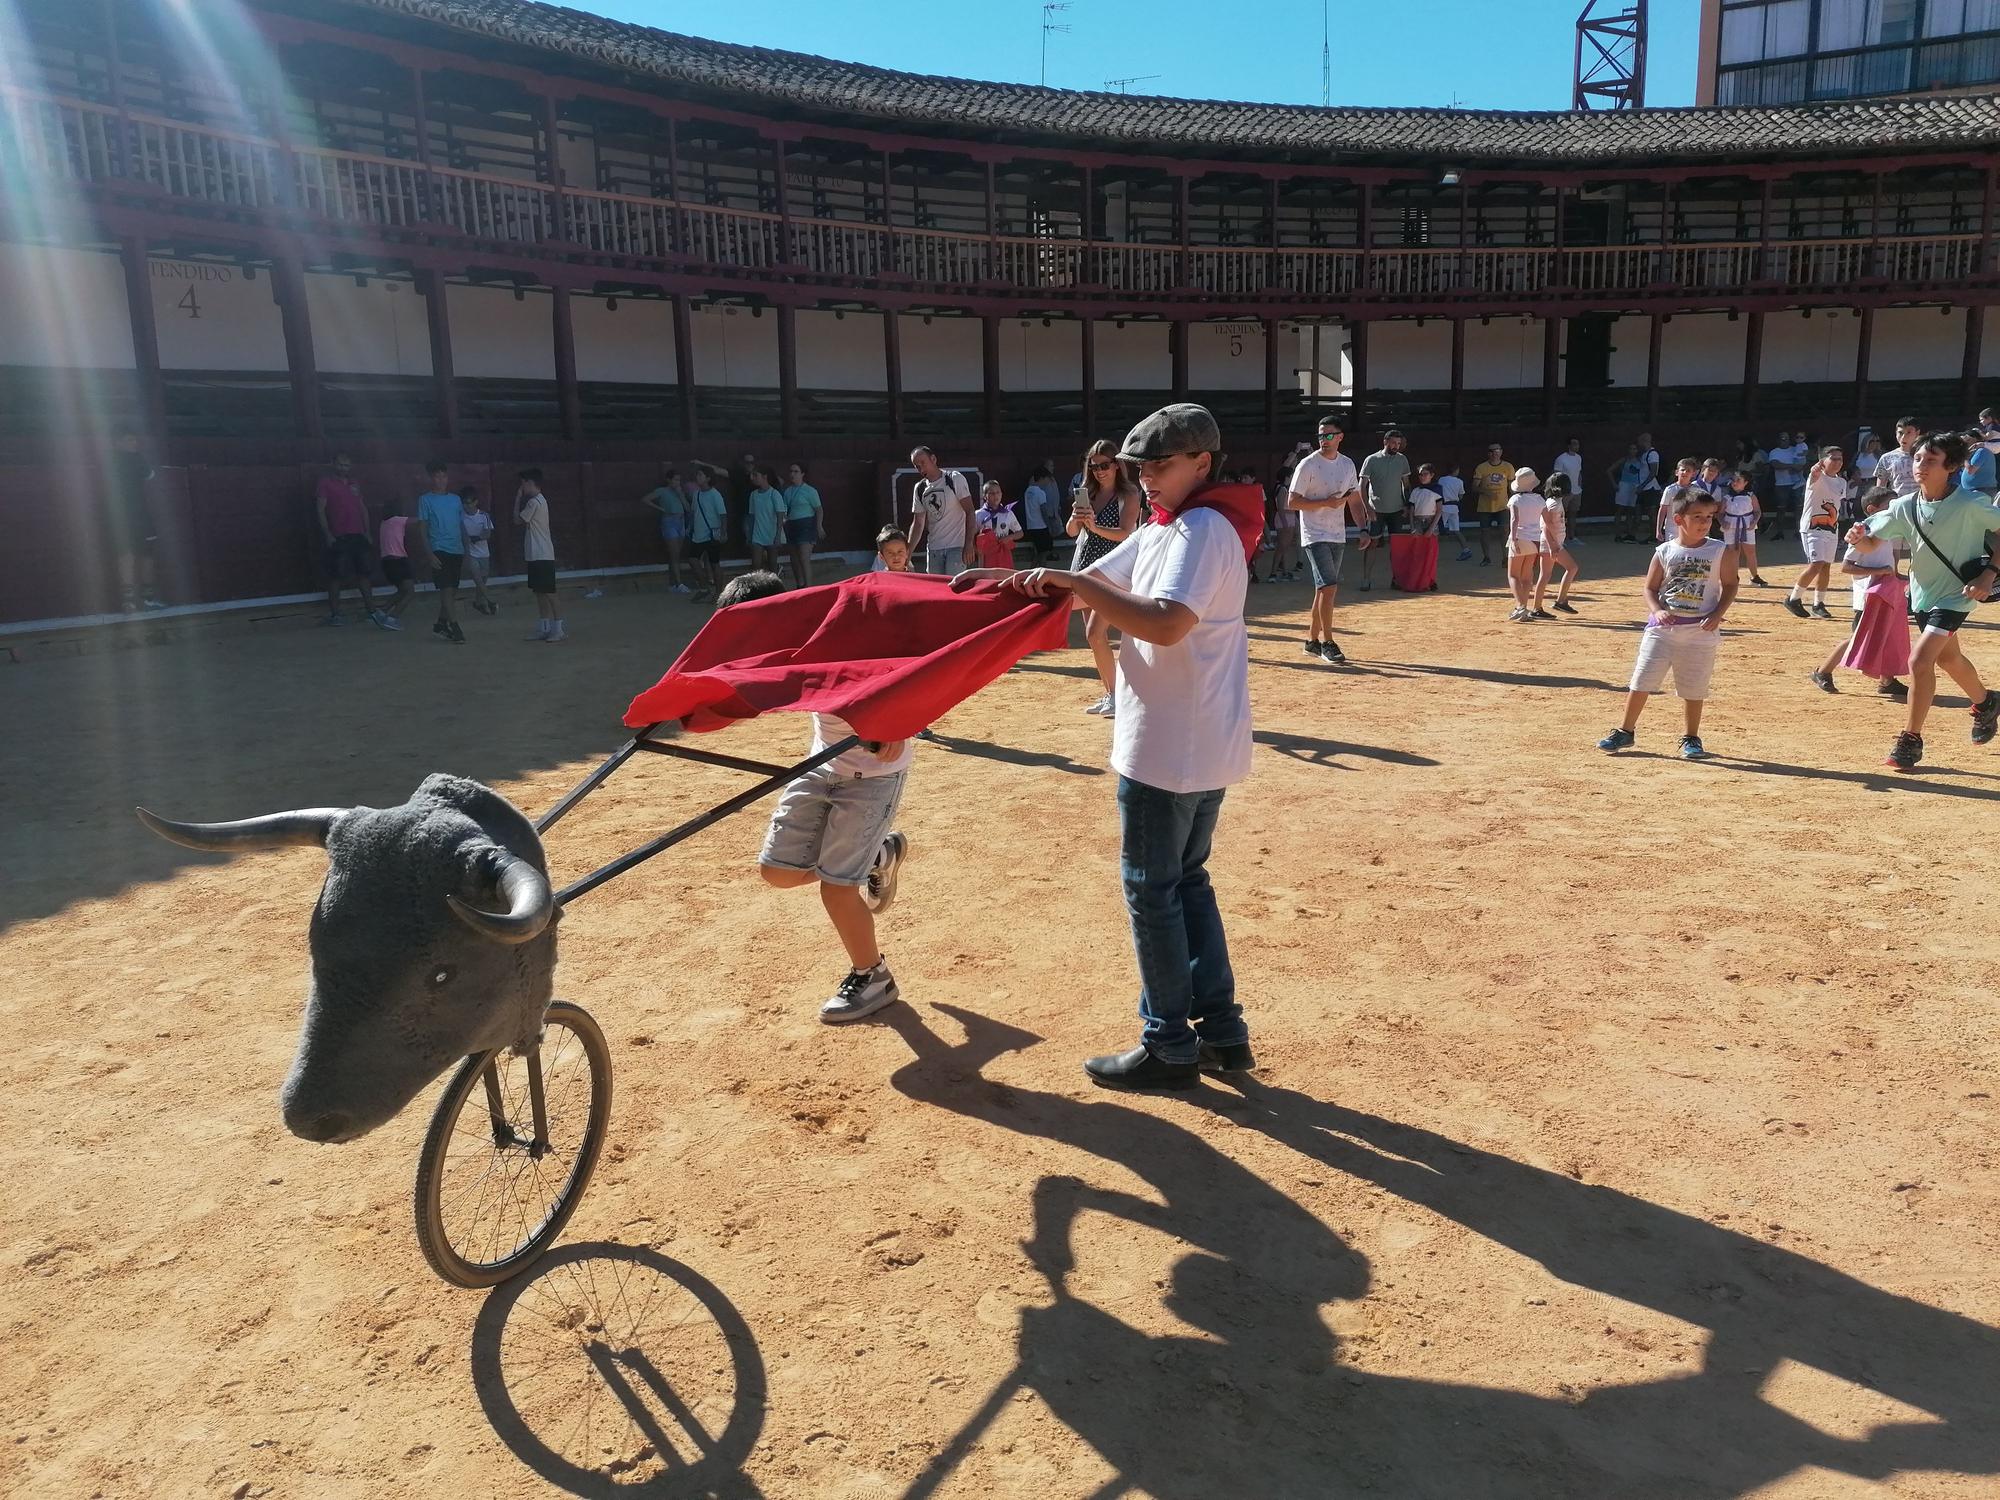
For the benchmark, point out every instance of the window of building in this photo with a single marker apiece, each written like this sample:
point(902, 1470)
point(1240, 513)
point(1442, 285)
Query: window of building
point(1866, 23)
point(1954, 17)
point(1767, 28)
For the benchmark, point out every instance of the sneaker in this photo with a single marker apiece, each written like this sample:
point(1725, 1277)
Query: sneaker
point(929, 737)
point(1820, 612)
point(1332, 655)
point(861, 993)
point(1564, 609)
point(1823, 681)
point(1618, 739)
point(556, 635)
point(1541, 614)
point(1691, 747)
point(334, 619)
point(381, 620)
point(1102, 707)
point(1762, 583)
point(456, 635)
point(1796, 608)
point(1366, 585)
point(149, 602)
point(878, 892)
point(1985, 719)
point(1314, 648)
point(438, 627)
point(1906, 752)
point(1465, 554)
point(390, 622)
point(1891, 688)
point(681, 588)
point(1521, 616)
point(593, 593)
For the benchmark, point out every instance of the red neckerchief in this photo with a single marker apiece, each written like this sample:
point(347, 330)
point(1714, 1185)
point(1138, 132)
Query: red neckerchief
point(1242, 505)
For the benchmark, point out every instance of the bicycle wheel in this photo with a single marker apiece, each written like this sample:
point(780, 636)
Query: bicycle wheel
point(488, 1201)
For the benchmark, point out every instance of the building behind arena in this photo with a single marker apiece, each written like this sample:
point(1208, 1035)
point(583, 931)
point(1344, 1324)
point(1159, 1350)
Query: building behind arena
point(502, 233)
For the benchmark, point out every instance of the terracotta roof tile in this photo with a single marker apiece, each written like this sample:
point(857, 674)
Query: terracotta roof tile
point(1141, 122)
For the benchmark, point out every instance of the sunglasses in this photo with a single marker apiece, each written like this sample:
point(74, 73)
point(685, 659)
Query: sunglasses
point(1102, 465)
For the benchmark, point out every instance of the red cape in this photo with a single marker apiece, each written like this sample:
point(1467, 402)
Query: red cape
point(1241, 504)
point(889, 653)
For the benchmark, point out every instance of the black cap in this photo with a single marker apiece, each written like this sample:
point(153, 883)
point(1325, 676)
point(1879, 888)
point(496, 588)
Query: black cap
point(1180, 428)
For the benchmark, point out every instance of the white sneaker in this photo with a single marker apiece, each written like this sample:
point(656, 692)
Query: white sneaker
point(861, 993)
point(1104, 707)
point(390, 622)
point(878, 892)
point(681, 588)
point(556, 635)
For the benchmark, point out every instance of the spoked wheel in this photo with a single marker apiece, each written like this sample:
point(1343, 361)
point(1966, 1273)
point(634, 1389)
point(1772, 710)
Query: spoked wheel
point(510, 1150)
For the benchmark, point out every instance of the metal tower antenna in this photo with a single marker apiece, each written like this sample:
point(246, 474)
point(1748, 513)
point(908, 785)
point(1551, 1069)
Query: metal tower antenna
point(1049, 25)
point(1325, 53)
point(1610, 55)
point(1120, 83)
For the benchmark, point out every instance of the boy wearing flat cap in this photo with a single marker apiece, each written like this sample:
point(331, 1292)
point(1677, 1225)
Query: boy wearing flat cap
point(1181, 735)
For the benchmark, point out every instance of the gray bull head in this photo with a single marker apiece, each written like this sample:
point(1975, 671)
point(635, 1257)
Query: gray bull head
point(434, 937)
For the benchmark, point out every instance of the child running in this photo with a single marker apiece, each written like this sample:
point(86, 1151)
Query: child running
point(1525, 510)
point(1742, 514)
point(1690, 584)
point(1949, 530)
point(1879, 644)
point(1819, 519)
point(831, 826)
point(1555, 553)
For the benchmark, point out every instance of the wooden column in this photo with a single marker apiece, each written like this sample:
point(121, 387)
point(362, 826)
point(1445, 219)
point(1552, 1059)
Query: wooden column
point(114, 54)
point(569, 401)
point(1863, 351)
point(1365, 238)
point(1662, 268)
point(684, 366)
point(678, 219)
point(1464, 238)
point(1087, 273)
point(1177, 348)
point(1654, 334)
point(562, 226)
point(989, 360)
point(1558, 275)
point(1271, 237)
point(892, 366)
point(1271, 377)
point(444, 380)
point(788, 254)
point(289, 279)
point(1874, 261)
point(788, 372)
point(992, 225)
point(1358, 355)
point(421, 111)
point(1182, 230)
point(1753, 364)
point(1458, 372)
point(137, 264)
point(1089, 377)
point(1983, 258)
point(1552, 327)
point(1968, 370)
point(1764, 233)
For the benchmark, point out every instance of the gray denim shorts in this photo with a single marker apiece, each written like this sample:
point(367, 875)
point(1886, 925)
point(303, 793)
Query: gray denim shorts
point(832, 825)
point(1323, 560)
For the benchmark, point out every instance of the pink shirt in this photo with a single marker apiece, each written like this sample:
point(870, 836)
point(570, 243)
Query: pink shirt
point(345, 514)
point(392, 536)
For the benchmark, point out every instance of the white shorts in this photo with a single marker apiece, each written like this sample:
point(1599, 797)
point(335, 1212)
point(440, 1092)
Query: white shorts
point(1820, 544)
point(1687, 650)
point(1739, 531)
point(1450, 522)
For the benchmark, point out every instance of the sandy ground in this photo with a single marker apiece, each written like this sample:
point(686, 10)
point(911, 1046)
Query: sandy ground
point(1626, 1129)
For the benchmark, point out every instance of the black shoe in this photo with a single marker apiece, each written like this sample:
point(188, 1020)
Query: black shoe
point(438, 627)
point(1312, 648)
point(1565, 609)
point(1329, 652)
point(1906, 752)
point(1891, 688)
point(1821, 612)
point(1985, 719)
point(1823, 681)
point(456, 634)
point(1235, 1057)
point(1139, 1069)
point(1541, 614)
point(1795, 607)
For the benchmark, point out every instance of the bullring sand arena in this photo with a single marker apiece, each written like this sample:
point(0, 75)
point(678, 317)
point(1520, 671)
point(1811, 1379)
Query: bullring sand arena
point(1625, 1126)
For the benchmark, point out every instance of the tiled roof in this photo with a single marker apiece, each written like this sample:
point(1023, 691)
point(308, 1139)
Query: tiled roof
point(764, 77)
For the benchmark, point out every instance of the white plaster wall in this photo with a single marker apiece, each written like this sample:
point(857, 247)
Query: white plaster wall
point(1034, 358)
point(1225, 356)
point(1503, 355)
point(380, 329)
point(211, 317)
point(1629, 336)
point(1701, 349)
point(64, 308)
point(1404, 357)
point(1819, 348)
point(733, 347)
point(1135, 357)
point(943, 355)
point(634, 345)
point(494, 337)
point(842, 353)
point(1917, 343)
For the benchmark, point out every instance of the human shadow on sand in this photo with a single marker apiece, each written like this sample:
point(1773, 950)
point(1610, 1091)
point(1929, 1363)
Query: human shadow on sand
point(1254, 1400)
point(614, 1371)
point(1318, 752)
point(1044, 760)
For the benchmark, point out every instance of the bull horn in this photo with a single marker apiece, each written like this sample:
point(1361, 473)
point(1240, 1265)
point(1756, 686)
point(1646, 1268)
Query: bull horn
point(530, 903)
point(308, 825)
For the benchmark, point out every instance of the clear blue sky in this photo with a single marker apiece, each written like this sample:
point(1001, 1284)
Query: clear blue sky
point(1489, 54)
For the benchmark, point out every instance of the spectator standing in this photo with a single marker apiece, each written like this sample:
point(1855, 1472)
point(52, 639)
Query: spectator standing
point(1865, 463)
point(766, 520)
point(1326, 492)
point(1385, 485)
point(1982, 471)
point(708, 527)
point(995, 528)
point(1897, 467)
point(670, 500)
point(538, 551)
point(1788, 462)
point(1569, 463)
point(1626, 476)
point(1040, 512)
point(343, 522)
point(940, 514)
point(1451, 508)
point(442, 513)
point(129, 520)
point(392, 543)
point(478, 526)
point(802, 513)
point(1493, 487)
point(1651, 481)
point(1104, 513)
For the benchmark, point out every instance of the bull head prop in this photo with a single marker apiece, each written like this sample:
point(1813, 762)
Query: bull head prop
point(434, 937)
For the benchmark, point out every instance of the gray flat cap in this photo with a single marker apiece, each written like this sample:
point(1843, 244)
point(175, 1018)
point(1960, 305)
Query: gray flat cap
point(1180, 428)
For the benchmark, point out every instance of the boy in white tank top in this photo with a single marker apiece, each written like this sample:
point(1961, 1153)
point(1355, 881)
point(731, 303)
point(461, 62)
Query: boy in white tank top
point(1690, 585)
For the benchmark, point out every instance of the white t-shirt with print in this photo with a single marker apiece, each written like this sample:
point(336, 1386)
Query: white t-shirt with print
point(536, 543)
point(944, 516)
point(1824, 492)
point(477, 526)
point(1183, 720)
point(1321, 478)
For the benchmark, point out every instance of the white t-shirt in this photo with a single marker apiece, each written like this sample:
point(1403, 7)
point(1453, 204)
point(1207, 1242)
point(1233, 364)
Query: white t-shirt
point(1555, 521)
point(1524, 517)
point(477, 526)
point(1824, 492)
point(1898, 470)
point(1650, 480)
point(1423, 502)
point(1876, 552)
point(536, 543)
point(1785, 463)
point(1691, 580)
point(944, 516)
point(858, 761)
point(1320, 478)
point(1572, 465)
point(1183, 721)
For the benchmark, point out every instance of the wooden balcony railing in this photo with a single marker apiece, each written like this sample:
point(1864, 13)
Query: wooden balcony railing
point(75, 141)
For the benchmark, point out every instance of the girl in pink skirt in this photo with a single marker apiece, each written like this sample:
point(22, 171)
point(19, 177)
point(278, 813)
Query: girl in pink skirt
point(1879, 645)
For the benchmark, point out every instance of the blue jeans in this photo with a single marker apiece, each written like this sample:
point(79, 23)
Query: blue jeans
point(1187, 994)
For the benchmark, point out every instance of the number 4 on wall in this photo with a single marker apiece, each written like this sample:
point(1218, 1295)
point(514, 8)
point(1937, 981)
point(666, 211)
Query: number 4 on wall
point(188, 304)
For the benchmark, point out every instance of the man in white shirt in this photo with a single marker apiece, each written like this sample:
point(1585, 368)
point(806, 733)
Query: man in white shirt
point(1326, 492)
point(1175, 592)
point(1570, 462)
point(538, 551)
point(1898, 466)
point(1650, 482)
point(940, 514)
